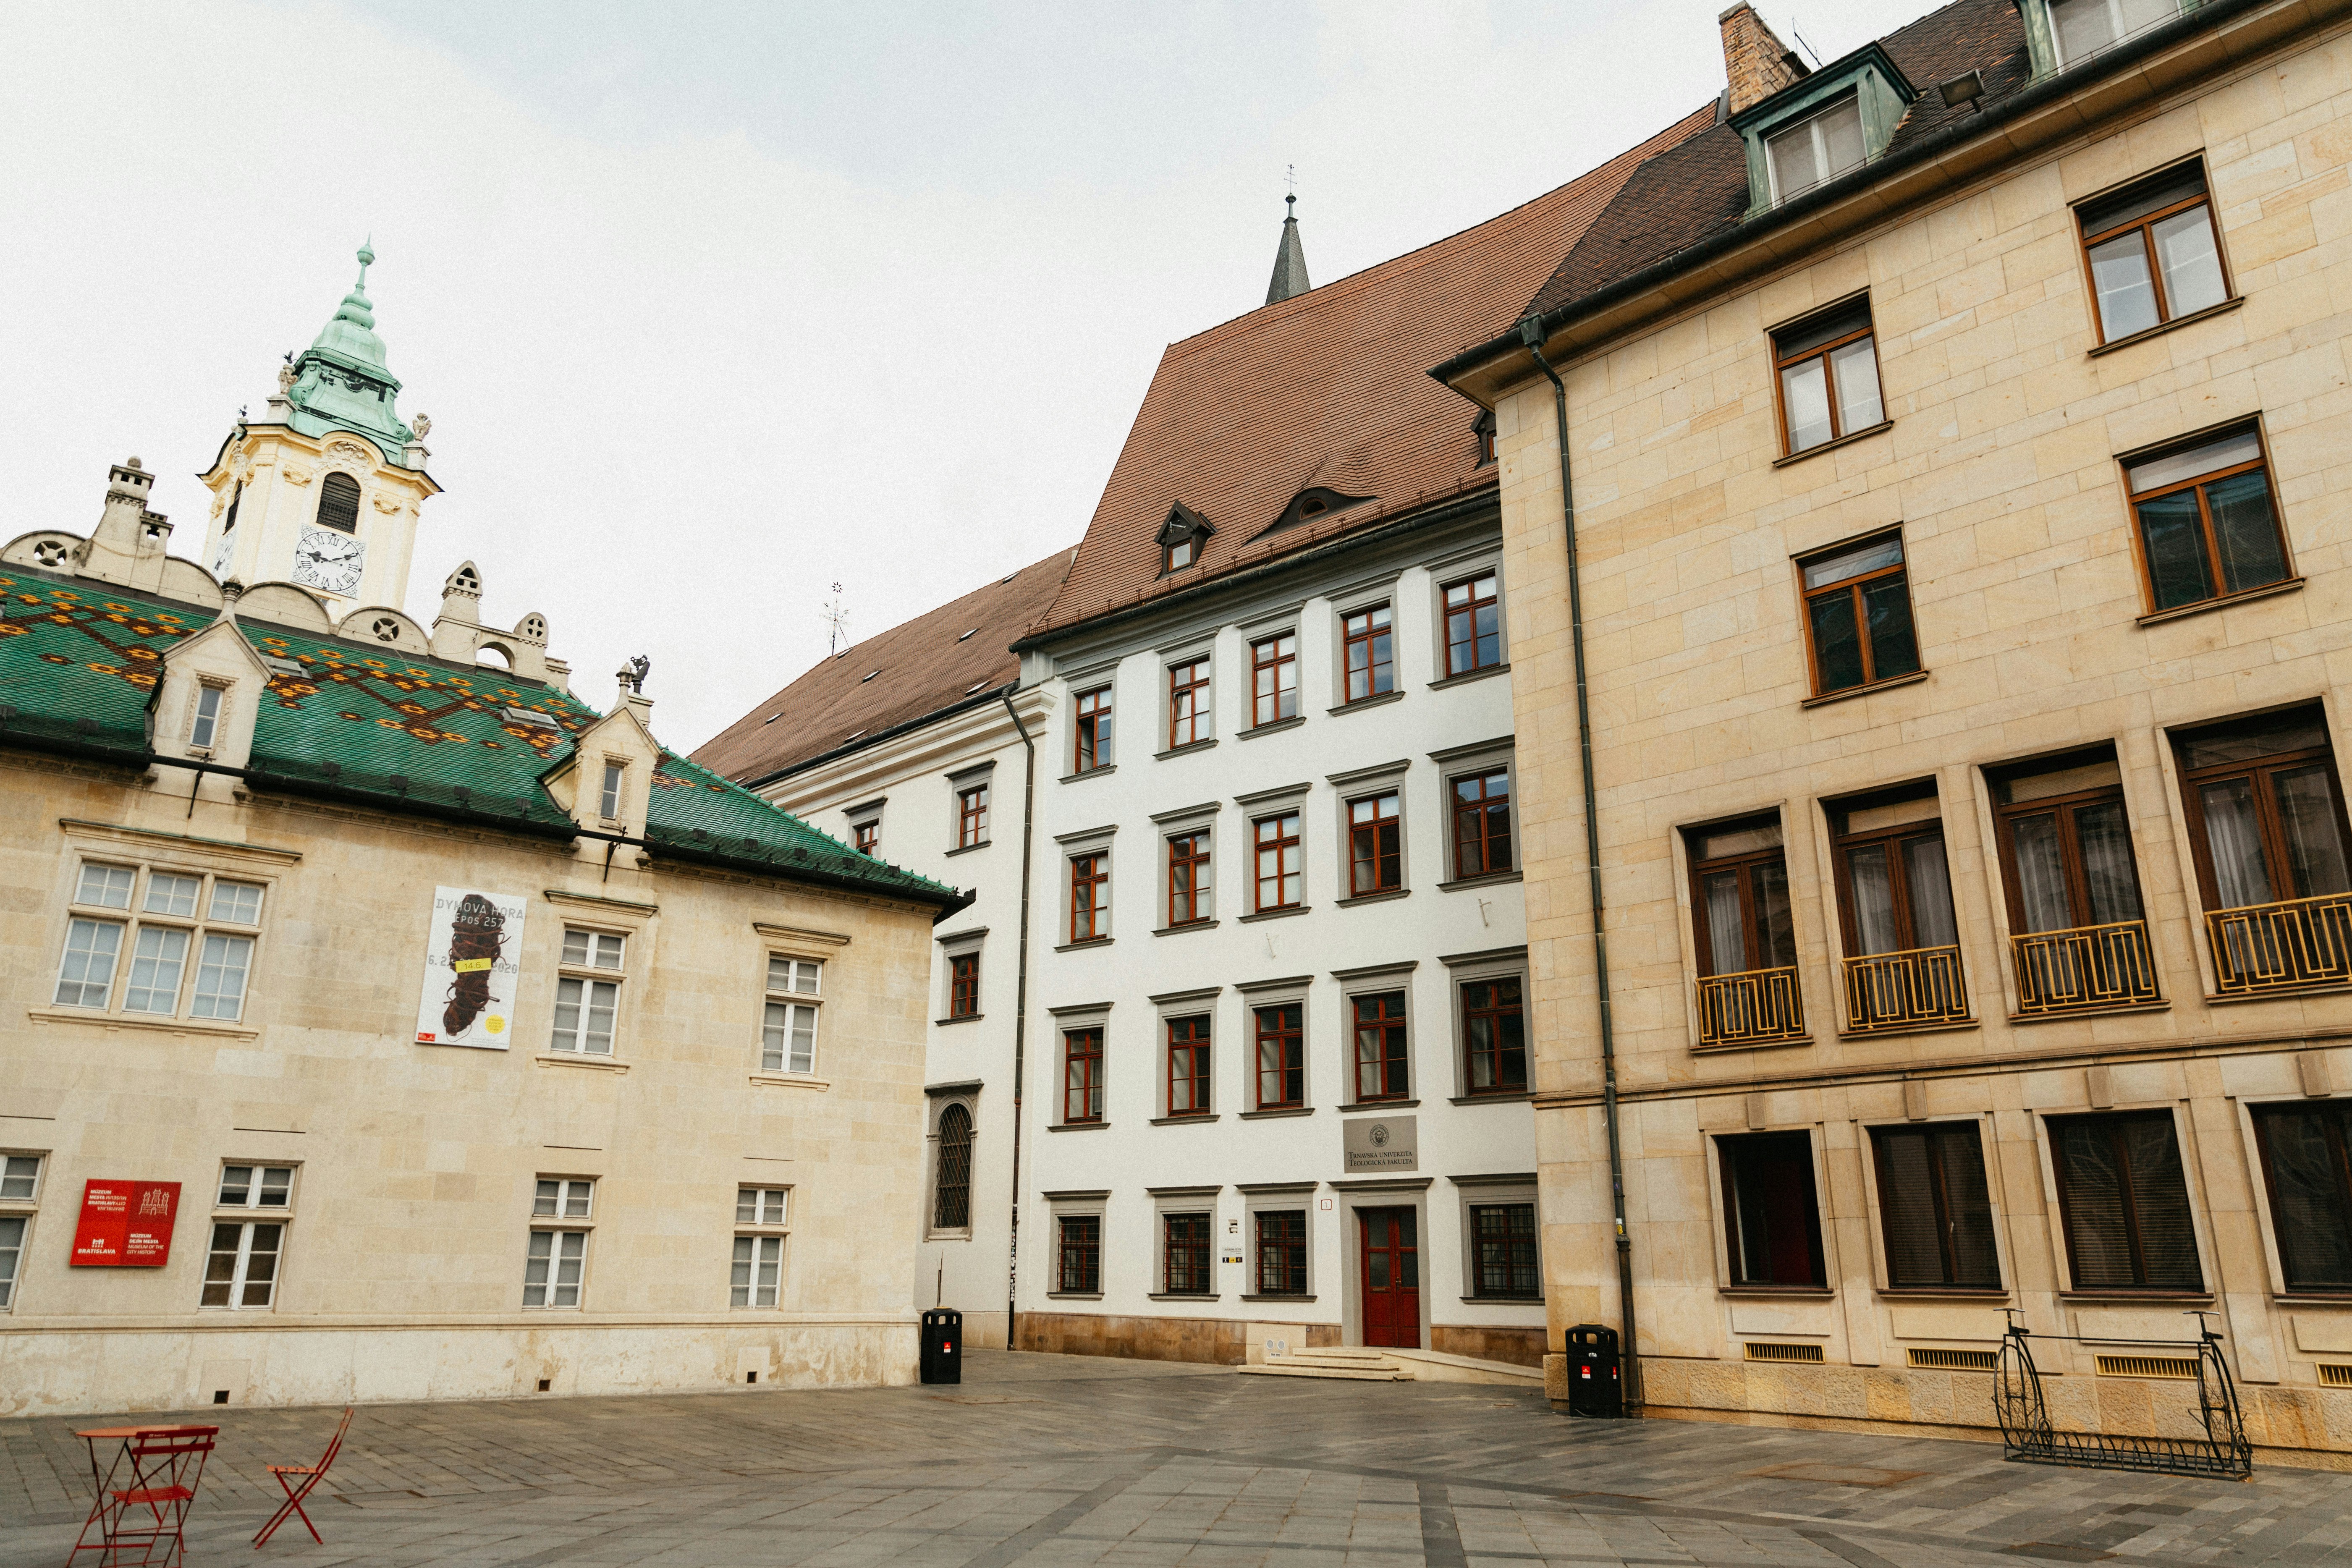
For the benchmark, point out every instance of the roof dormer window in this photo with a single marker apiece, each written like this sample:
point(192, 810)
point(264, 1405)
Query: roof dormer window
point(1180, 537)
point(1816, 148)
point(1822, 125)
point(1482, 430)
point(1311, 505)
point(2081, 28)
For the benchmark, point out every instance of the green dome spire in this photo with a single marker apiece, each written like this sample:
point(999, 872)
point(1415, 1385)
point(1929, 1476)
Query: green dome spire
point(342, 381)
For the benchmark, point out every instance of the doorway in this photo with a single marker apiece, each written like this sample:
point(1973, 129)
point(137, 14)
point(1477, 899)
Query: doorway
point(1390, 1278)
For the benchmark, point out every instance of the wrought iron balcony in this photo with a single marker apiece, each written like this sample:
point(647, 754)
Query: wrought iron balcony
point(2293, 946)
point(1906, 990)
point(2086, 969)
point(1760, 1006)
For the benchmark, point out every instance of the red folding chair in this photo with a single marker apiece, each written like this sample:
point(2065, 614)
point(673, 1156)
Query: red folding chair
point(297, 1489)
point(150, 1515)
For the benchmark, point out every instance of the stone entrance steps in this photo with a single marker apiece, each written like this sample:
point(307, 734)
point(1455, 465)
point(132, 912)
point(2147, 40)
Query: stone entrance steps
point(1364, 1364)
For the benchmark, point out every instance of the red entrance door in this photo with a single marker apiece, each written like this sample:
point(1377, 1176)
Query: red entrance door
point(1392, 1279)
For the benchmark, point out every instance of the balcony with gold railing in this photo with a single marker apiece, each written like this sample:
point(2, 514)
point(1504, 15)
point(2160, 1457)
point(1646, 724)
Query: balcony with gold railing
point(2086, 969)
point(2298, 944)
point(1919, 989)
point(1758, 1008)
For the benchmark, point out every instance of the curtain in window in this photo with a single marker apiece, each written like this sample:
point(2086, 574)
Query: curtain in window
point(2104, 838)
point(2315, 847)
point(1727, 934)
point(2234, 839)
point(2303, 1149)
point(2244, 536)
point(1874, 899)
point(1928, 880)
point(1776, 938)
point(2040, 873)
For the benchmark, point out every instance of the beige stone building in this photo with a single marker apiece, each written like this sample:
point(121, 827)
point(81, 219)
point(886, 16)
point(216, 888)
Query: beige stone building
point(378, 1020)
point(1957, 436)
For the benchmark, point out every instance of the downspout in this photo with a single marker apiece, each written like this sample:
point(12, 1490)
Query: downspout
point(1020, 1010)
point(1531, 335)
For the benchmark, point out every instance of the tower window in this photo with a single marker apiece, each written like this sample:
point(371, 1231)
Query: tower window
point(339, 503)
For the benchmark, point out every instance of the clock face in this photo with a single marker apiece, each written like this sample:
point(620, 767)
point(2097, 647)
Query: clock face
point(328, 560)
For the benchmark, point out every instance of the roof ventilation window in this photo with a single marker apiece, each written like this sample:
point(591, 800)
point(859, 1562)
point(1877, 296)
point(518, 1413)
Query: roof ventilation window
point(1311, 505)
point(869, 675)
point(1180, 537)
point(961, 635)
point(1821, 126)
point(529, 718)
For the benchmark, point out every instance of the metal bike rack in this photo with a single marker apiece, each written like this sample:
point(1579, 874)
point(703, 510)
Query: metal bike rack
point(2026, 1434)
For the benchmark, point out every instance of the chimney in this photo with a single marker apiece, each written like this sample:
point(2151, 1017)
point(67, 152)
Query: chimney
point(128, 545)
point(1755, 63)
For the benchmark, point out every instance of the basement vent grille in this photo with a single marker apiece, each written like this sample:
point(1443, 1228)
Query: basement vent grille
point(2335, 1376)
point(1932, 1360)
point(1811, 1354)
point(2183, 1367)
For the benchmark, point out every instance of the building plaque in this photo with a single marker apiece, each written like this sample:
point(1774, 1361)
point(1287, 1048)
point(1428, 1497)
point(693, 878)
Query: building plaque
point(1378, 1145)
point(125, 1225)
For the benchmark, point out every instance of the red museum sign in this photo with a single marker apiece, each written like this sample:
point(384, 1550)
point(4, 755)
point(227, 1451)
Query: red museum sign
point(125, 1225)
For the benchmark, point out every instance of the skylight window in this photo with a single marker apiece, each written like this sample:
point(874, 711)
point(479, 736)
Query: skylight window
point(869, 675)
point(977, 686)
point(530, 719)
point(2083, 27)
point(771, 717)
point(961, 636)
point(283, 666)
point(1817, 149)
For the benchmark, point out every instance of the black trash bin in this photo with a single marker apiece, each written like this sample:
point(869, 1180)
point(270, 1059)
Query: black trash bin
point(1595, 1386)
point(943, 1345)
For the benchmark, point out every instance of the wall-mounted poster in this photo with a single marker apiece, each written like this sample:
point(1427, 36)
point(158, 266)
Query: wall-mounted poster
point(472, 959)
point(125, 1225)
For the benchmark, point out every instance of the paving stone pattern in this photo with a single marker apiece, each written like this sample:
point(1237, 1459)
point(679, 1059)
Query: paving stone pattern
point(1073, 1459)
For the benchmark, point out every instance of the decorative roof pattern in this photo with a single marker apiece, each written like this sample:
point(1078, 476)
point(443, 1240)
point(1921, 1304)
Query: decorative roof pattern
point(79, 663)
point(1327, 388)
point(939, 660)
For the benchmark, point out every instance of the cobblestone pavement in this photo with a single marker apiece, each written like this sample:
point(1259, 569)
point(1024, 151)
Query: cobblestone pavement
point(1071, 1459)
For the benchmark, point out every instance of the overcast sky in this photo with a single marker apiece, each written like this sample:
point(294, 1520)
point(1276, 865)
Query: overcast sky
point(716, 305)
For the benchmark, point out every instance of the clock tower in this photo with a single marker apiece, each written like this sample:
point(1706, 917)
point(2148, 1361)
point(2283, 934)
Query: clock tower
point(323, 491)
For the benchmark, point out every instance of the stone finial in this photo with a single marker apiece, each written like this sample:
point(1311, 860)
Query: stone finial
point(1755, 63)
point(422, 425)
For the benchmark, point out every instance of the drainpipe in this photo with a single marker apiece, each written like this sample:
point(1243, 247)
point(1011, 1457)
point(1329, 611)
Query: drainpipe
point(1531, 336)
point(1020, 1010)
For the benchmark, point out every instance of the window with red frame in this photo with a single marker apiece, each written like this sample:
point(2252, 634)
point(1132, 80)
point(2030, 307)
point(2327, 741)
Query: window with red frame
point(1273, 679)
point(1380, 1048)
point(1185, 1263)
point(1078, 1270)
point(1280, 883)
point(963, 986)
point(1082, 1075)
point(1094, 718)
point(1473, 625)
point(867, 835)
point(1188, 702)
point(1375, 845)
point(1090, 897)
point(1188, 878)
point(1282, 1252)
point(1493, 1037)
point(1370, 654)
point(1481, 823)
point(1281, 1057)
point(1188, 1066)
point(971, 816)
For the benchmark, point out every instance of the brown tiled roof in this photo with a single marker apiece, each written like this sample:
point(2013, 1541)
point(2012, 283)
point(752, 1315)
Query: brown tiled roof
point(1698, 188)
point(1329, 388)
point(921, 666)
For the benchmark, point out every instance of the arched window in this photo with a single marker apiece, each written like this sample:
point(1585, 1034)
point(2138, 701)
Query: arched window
point(339, 503)
point(952, 1183)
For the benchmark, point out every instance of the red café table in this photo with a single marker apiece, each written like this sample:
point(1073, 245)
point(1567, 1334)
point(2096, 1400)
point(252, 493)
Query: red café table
point(162, 1466)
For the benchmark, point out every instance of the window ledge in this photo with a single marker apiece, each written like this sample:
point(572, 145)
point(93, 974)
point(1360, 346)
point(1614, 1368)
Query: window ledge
point(1182, 1296)
point(1075, 1126)
point(1073, 1295)
point(1091, 772)
point(1826, 698)
point(1794, 1292)
point(1277, 1110)
point(1487, 674)
point(1491, 878)
point(2282, 994)
point(1250, 1297)
point(962, 1019)
point(2016, 1018)
point(1505, 1096)
point(2308, 1298)
point(967, 848)
point(1195, 1119)
point(2227, 601)
point(787, 1079)
point(952, 1233)
point(579, 1059)
point(2090, 1298)
point(1188, 925)
point(2158, 330)
point(1361, 703)
point(139, 1021)
point(1776, 1043)
point(1188, 747)
point(1378, 1105)
point(1384, 895)
point(1848, 439)
point(1942, 1027)
point(1276, 914)
point(1944, 1293)
point(1254, 731)
point(1080, 946)
point(1502, 1300)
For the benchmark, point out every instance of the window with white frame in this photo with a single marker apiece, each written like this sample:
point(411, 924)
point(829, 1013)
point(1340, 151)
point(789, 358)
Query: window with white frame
point(20, 1183)
point(788, 1027)
point(587, 992)
point(187, 936)
point(759, 1266)
point(241, 1266)
point(608, 799)
point(558, 1256)
point(204, 724)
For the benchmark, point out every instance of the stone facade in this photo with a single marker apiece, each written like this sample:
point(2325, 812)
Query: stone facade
point(2000, 466)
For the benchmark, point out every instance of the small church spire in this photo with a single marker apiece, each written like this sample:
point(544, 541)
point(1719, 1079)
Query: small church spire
point(1289, 258)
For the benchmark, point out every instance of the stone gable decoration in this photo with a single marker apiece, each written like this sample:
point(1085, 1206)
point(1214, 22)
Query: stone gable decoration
point(472, 963)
